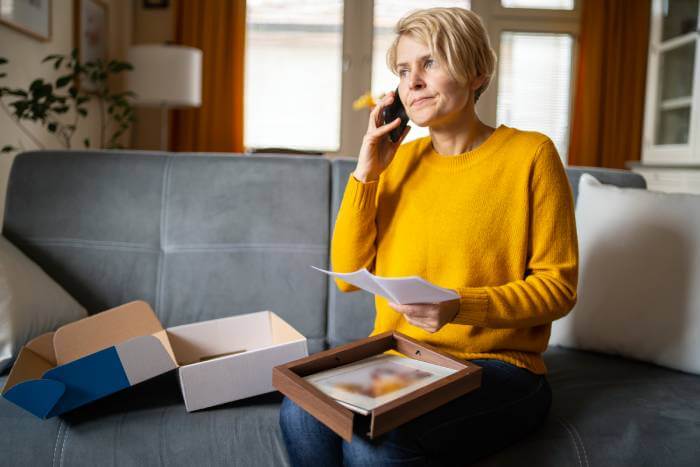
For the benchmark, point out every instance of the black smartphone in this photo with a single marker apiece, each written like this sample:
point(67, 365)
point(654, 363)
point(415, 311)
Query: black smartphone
point(391, 112)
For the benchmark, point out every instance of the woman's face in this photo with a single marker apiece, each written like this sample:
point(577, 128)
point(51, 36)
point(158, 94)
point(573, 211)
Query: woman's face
point(431, 96)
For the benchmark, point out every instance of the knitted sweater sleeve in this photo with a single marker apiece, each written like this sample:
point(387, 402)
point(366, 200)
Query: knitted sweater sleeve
point(355, 231)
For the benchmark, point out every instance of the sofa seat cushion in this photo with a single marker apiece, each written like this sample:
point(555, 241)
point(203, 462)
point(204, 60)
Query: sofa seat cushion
point(610, 410)
point(606, 411)
point(146, 425)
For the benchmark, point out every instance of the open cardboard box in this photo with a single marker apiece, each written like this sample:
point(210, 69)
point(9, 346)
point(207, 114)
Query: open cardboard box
point(219, 361)
point(289, 380)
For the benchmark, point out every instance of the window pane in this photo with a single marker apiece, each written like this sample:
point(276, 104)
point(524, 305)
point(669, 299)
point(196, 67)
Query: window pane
point(539, 4)
point(680, 17)
point(293, 74)
point(674, 126)
point(534, 84)
point(386, 15)
point(676, 69)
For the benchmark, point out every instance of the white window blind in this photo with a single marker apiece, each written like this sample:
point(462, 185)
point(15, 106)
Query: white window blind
point(541, 4)
point(534, 81)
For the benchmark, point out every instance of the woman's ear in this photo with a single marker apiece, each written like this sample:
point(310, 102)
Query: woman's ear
point(478, 82)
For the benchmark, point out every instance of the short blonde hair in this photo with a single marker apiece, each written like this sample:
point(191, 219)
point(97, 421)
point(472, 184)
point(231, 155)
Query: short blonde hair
point(456, 37)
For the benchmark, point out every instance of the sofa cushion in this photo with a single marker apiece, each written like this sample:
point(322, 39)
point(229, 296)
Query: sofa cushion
point(196, 236)
point(639, 269)
point(606, 411)
point(31, 303)
point(146, 425)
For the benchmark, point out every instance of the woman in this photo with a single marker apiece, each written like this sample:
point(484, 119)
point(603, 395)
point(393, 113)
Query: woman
point(487, 212)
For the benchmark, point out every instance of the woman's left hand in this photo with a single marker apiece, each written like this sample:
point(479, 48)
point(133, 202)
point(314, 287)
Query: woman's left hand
point(429, 316)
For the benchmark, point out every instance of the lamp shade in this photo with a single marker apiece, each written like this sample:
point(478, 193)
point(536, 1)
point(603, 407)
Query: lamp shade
point(168, 75)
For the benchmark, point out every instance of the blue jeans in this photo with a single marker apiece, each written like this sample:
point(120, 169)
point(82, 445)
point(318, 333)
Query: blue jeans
point(510, 403)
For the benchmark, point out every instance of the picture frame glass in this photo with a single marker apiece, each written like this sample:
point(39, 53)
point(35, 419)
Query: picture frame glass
point(364, 385)
point(32, 17)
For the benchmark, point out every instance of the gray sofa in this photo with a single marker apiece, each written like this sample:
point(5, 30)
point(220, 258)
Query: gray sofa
point(203, 236)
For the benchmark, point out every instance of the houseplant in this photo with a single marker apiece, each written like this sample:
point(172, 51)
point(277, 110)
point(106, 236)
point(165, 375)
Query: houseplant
point(59, 106)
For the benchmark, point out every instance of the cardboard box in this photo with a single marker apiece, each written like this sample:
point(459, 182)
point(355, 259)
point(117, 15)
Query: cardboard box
point(219, 361)
point(289, 380)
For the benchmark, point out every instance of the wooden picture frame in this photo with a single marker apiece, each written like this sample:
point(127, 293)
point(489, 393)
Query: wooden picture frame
point(289, 380)
point(91, 32)
point(31, 17)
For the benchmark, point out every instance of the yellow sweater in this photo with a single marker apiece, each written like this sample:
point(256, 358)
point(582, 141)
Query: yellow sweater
point(495, 224)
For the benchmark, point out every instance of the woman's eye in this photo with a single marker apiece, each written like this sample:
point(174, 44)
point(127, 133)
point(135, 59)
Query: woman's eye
point(402, 73)
point(430, 62)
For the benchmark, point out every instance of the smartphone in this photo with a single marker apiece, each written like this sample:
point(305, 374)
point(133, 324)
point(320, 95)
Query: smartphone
point(391, 112)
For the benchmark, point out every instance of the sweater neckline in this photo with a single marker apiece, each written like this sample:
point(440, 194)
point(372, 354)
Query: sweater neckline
point(465, 159)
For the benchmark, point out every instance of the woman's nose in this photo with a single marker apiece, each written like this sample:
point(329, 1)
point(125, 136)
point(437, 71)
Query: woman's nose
point(415, 81)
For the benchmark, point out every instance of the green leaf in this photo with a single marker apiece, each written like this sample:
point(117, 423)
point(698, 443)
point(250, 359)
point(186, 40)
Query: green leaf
point(52, 127)
point(63, 80)
point(3, 60)
point(17, 92)
point(58, 63)
point(74, 53)
point(86, 142)
point(2, 75)
point(82, 99)
point(7, 148)
point(73, 91)
point(61, 110)
point(50, 57)
point(82, 112)
point(36, 84)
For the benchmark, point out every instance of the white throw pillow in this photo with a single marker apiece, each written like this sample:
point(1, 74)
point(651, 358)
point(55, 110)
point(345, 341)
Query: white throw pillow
point(639, 276)
point(31, 303)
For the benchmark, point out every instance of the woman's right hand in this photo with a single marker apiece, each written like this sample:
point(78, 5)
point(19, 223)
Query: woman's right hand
point(377, 150)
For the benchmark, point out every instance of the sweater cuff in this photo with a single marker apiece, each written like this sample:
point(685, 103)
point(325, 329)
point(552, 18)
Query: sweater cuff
point(362, 195)
point(473, 307)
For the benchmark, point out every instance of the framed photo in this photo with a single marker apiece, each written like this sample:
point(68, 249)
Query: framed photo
point(91, 33)
point(370, 383)
point(32, 17)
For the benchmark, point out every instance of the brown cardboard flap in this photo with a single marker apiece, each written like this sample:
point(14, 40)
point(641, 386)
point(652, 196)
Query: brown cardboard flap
point(29, 365)
point(43, 347)
point(105, 329)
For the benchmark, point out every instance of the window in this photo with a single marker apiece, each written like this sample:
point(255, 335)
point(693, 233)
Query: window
point(535, 41)
point(293, 74)
point(308, 60)
point(534, 84)
point(543, 4)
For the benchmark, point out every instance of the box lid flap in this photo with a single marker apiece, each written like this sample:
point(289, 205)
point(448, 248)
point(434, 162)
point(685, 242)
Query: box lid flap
point(103, 330)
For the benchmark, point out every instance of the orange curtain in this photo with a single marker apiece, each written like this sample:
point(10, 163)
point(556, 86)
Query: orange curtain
point(610, 86)
point(217, 27)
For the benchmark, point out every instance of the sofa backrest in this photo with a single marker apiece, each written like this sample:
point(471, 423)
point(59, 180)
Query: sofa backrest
point(198, 236)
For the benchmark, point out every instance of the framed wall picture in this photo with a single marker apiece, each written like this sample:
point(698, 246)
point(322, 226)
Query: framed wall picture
point(32, 17)
point(91, 33)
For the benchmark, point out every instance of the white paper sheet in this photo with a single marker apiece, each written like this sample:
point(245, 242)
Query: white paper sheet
point(401, 290)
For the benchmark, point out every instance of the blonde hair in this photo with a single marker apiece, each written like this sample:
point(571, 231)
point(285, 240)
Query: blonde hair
point(456, 37)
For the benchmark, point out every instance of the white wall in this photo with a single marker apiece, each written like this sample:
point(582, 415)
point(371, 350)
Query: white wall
point(25, 53)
